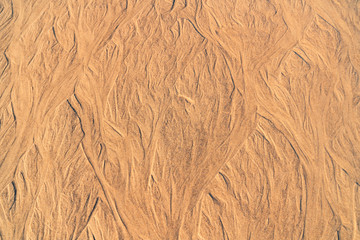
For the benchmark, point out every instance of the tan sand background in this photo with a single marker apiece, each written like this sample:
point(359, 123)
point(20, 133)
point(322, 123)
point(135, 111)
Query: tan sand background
point(184, 119)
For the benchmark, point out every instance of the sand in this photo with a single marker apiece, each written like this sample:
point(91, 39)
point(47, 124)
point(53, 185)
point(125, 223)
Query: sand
point(184, 119)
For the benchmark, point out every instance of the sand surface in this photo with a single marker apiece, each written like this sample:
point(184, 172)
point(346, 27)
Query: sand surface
point(183, 119)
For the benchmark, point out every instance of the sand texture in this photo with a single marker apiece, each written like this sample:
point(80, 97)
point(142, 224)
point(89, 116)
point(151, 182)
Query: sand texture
point(180, 119)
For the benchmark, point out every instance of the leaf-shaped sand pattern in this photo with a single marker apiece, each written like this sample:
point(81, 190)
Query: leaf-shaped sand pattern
point(199, 119)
